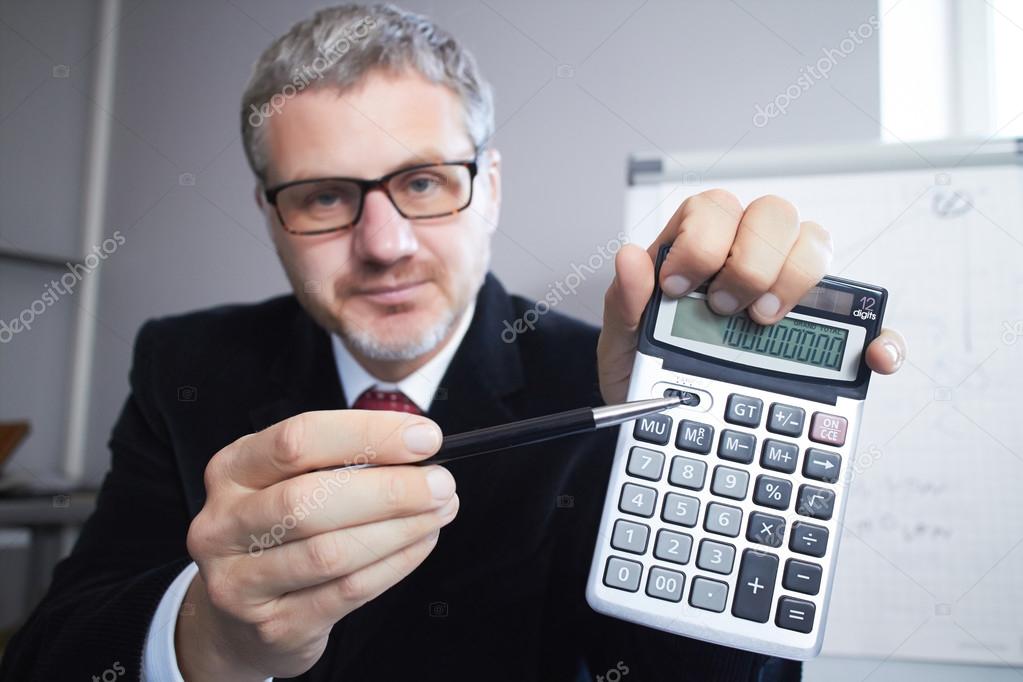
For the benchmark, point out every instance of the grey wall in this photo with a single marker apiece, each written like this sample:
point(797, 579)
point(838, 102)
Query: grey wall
point(45, 78)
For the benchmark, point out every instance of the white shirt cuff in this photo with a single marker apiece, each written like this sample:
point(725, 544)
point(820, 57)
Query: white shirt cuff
point(159, 657)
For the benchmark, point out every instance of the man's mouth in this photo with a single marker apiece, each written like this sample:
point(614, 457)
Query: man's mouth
point(392, 294)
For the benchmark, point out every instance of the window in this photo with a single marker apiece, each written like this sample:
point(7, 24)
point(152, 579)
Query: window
point(951, 68)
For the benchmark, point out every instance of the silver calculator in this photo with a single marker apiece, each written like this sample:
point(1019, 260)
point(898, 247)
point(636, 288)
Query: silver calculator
point(723, 515)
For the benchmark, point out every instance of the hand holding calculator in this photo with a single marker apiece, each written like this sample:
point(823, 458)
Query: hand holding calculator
point(723, 516)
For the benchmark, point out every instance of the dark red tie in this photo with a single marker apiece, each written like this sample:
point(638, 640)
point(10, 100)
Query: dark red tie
point(375, 399)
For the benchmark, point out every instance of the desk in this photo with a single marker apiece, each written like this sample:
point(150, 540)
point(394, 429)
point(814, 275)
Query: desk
point(46, 516)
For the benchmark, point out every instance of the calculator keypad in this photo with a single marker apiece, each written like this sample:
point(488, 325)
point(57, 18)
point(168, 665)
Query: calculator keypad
point(736, 515)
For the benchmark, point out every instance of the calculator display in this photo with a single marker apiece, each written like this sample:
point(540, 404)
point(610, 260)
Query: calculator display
point(800, 344)
point(803, 341)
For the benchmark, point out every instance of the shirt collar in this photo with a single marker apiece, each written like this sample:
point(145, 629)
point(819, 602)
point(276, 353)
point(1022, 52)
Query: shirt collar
point(419, 387)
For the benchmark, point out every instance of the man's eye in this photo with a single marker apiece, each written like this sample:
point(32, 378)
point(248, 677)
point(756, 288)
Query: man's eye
point(323, 199)
point(422, 183)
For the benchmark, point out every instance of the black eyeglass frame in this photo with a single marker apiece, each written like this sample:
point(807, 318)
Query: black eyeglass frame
point(367, 185)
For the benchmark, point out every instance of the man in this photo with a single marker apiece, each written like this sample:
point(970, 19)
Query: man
point(226, 545)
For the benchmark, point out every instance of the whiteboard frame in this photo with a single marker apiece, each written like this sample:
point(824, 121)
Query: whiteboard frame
point(858, 157)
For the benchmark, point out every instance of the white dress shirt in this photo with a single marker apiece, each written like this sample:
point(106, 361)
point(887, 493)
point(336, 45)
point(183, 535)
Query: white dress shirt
point(159, 657)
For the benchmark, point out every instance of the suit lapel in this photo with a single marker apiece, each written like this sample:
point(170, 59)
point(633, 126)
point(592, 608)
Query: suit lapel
point(483, 371)
point(304, 375)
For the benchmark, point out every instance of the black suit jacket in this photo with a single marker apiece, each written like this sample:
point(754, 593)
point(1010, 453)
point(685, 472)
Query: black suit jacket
point(500, 597)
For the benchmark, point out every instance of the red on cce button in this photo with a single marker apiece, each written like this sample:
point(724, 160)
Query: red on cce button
point(828, 428)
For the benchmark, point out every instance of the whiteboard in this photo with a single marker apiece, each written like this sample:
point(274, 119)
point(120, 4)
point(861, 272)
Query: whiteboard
point(931, 561)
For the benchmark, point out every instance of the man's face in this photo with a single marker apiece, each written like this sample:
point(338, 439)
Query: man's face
point(389, 286)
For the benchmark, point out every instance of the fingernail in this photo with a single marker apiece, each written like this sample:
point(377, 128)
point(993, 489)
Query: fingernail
point(893, 352)
point(723, 302)
point(441, 483)
point(448, 507)
point(675, 285)
point(422, 438)
point(767, 305)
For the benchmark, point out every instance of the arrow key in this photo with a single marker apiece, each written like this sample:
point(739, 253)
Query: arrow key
point(822, 465)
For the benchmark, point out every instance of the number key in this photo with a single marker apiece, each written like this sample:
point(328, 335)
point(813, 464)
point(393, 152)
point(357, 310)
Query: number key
point(622, 574)
point(673, 547)
point(730, 482)
point(716, 556)
point(687, 473)
point(680, 509)
point(629, 536)
point(722, 519)
point(665, 584)
point(645, 463)
point(637, 499)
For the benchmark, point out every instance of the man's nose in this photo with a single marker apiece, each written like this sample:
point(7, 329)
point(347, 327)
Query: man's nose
point(382, 235)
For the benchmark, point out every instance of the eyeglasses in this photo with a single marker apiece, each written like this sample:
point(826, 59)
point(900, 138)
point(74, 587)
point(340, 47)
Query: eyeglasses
point(324, 205)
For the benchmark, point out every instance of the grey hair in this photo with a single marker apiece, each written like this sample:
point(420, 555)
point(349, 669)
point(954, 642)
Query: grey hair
point(338, 46)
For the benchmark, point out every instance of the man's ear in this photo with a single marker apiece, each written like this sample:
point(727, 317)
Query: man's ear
point(258, 194)
point(492, 174)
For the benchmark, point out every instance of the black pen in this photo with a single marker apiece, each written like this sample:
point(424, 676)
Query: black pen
point(537, 429)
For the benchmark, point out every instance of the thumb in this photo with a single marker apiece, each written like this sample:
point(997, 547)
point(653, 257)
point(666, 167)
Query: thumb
point(623, 308)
